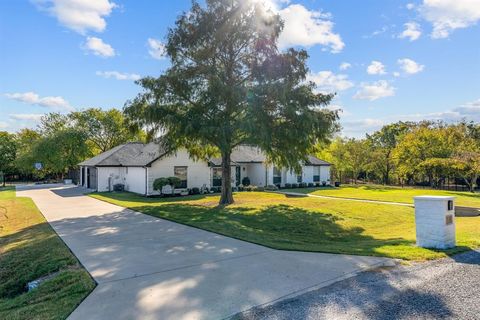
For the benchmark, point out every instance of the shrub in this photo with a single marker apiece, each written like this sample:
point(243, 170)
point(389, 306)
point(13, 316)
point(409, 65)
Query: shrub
point(118, 187)
point(241, 187)
point(324, 183)
point(271, 187)
point(174, 182)
point(159, 183)
point(259, 189)
point(288, 185)
point(311, 185)
point(294, 185)
point(215, 189)
point(317, 184)
point(246, 181)
point(195, 190)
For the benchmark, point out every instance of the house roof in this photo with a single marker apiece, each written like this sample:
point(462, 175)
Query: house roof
point(132, 154)
point(242, 154)
point(252, 154)
point(137, 154)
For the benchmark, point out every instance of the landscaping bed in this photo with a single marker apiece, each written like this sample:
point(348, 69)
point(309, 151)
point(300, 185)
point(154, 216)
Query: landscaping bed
point(31, 250)
point(304, 224)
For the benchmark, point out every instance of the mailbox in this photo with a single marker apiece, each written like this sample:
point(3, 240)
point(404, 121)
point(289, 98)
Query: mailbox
point(435, 221)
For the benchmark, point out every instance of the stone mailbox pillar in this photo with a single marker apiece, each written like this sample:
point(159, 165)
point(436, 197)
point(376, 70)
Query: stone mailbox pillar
point(435, 221)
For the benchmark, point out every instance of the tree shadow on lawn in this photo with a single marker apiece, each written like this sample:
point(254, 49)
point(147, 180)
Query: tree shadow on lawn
point(277, 226)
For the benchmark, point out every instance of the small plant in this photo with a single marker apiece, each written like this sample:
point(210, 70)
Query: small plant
point(159, 183)
point(259, 189)
point(317, 184)
point(118, 187)
point(246, 181)
point(311, 185)
point(241, 187)
point(288, 185)
point(294, 185)
point(215, 189)
point(324, 183)
point(195, 190)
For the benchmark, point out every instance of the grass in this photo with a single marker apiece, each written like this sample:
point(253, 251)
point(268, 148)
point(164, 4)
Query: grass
point(390, 194)
point(30, 249)
point(303, 223)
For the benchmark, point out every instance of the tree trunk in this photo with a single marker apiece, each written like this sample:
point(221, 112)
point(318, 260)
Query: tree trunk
point(227, 196)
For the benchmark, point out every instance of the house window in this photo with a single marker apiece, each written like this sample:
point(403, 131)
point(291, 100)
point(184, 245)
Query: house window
point(181, 173)
point(316, 174)
point(299, 178)
point(277, 176)
point(216, 177)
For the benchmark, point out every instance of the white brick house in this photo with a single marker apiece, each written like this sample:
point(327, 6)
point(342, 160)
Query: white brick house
point(137, 165)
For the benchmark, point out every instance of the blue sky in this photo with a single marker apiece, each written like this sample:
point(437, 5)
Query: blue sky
point(387, 60)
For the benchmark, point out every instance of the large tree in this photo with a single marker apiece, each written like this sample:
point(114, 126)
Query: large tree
point(104, 129)
point(8, 149)
point(382, 144)
point(228, 84)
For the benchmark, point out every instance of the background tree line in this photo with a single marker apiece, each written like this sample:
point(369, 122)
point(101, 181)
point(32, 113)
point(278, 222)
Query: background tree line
point(61, 141)
point(410, 153)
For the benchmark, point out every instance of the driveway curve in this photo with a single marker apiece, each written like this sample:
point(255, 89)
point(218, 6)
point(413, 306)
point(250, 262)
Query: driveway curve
point(150, 268)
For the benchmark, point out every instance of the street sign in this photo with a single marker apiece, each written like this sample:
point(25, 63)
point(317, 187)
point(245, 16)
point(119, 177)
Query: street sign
point(38, 165)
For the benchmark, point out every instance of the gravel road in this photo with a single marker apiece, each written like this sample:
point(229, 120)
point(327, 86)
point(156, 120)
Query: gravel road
point(442, 289)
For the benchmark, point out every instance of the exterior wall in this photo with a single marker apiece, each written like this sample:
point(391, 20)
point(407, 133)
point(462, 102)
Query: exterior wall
point(135, 179)
point(198, 172)
point(308, 172)
point(117, 175)
point(325, 174)
point(256, 173)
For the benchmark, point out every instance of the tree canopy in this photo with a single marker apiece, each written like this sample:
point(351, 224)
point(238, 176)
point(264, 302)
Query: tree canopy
point(229, 84)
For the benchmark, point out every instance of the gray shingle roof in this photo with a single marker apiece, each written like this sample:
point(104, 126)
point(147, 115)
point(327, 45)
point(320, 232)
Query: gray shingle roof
point(243, 154)
point(314, 161)
point(133, 154)
point(137, 154)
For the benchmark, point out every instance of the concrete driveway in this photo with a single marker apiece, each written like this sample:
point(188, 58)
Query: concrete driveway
point(149, 268)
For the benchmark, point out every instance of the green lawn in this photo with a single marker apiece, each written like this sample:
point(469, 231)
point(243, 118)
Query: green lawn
point(390, 194)
point(30, 249)
point(303, 223)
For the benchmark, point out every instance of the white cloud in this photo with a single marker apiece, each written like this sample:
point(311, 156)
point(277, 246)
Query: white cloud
point(396, 74)
point(409, 66)
point(341, 110)
point(98, 47)
point(4, 125)
point(156, 48)
point(375, 90)
point(358, 128)
point(308, 28)
point(53, 102)
point(79, 15)
point(345, 66)
point(376, 67)
point(327, 81)
point(449, 15)
point(27, 116)
point(412, 31)
point(410, 6)
point(118, 75)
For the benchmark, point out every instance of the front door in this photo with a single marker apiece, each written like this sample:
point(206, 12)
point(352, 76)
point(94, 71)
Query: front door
point(237, 176)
